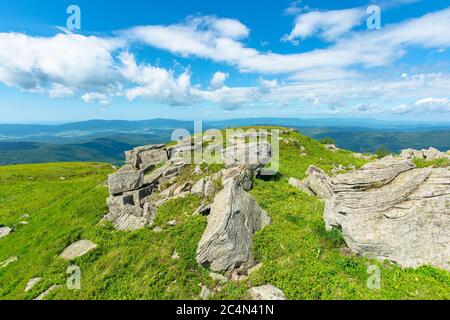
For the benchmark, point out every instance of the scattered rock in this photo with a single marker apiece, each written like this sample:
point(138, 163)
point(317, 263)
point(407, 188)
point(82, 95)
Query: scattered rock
point(8, 261)
point(254, 269)
point(23, 223)
point(172, 223)
point(32, 283)
point(331, 147)
point(197, 170)
point(4, 231)
point(227, 241)
point(157, 229)
point(301, 185)
point(77, 249)
point(428, 154)
point(218, 277)
point(318, 182)
point(25, 216)
point(266, 292)
point(175, 255)
point(146, 157)
point(47, 292)
point(62, 178)
point(205, 293)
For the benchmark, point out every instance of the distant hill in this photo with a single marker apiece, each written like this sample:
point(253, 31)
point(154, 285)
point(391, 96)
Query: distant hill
point(104, 140)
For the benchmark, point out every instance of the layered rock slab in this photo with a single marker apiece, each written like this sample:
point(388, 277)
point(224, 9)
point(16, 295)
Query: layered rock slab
point(391, 210)
point(227, 241)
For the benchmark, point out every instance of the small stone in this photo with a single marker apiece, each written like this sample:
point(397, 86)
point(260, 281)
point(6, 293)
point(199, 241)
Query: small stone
point(4, 231)
point(23, 222)
point(266, 292)
point(47, 292)
point(205, 293)
point(32, 283)
point(175, 255)
point(62, 178)
point(25, 216)
point(7, 262)
point(157, 229)
point(218, 277)
point(78, 249)
point(172, 223)
point(255, 268)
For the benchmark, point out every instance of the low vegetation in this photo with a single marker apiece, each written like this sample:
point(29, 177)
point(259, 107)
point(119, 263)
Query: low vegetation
point(65, 202)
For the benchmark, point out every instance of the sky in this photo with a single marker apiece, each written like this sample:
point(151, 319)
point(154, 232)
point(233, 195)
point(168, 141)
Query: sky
point(73, 60)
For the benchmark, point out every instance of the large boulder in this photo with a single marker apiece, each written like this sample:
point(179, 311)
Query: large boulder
point(391, 210)
point(227, 241)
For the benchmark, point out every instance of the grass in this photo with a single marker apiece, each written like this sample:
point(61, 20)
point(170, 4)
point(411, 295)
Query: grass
point(437, 163)
point(298, 255)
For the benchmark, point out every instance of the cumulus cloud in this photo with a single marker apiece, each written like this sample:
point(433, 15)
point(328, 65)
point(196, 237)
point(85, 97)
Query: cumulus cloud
point(329, 25)
point(218, 79)
point(57, 64)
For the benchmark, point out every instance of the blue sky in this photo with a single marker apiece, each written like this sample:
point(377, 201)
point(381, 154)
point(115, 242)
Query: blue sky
point(224, 59)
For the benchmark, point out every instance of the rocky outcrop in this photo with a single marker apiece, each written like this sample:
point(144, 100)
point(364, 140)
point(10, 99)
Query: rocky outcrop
point(44, 294)
point(427, 154)
point(149, 178)
point(78, 249)
point(391, 210)
point(227, 242)
point(266, 292)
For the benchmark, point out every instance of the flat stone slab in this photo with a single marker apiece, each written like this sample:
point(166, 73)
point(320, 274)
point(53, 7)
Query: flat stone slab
point(32, 283)
point(47, 292)
point(266, 292)
point(78, 249)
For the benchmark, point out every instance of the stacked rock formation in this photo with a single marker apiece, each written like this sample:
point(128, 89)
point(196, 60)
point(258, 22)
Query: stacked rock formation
point(147, 179)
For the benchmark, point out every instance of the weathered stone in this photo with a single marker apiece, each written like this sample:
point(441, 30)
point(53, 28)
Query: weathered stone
point(428, 154)
point(218, 277)
point(78, 249)
point(47, 292)
point(172, 223)
point(266, 292)
point(146, 157)
point(318, 182)
point(331, 147)
point(301, 185)
point(4, 231)
point(175, 255)
point(123, 181)
point(32, 283)
point(205, 293)
point(153, 177)
point(391, 210)
point(227, 240)
point(8, 261)
point(251, 154)
point(242, 174)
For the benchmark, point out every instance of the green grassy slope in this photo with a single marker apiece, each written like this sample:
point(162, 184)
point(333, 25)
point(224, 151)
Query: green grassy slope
point(298, 255)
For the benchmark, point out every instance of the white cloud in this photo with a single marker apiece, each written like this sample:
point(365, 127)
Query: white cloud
point(329, 25)
point(155, 83)
point(50, 64)
point(219, 79)
point(198, 37)
point(96, 97)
